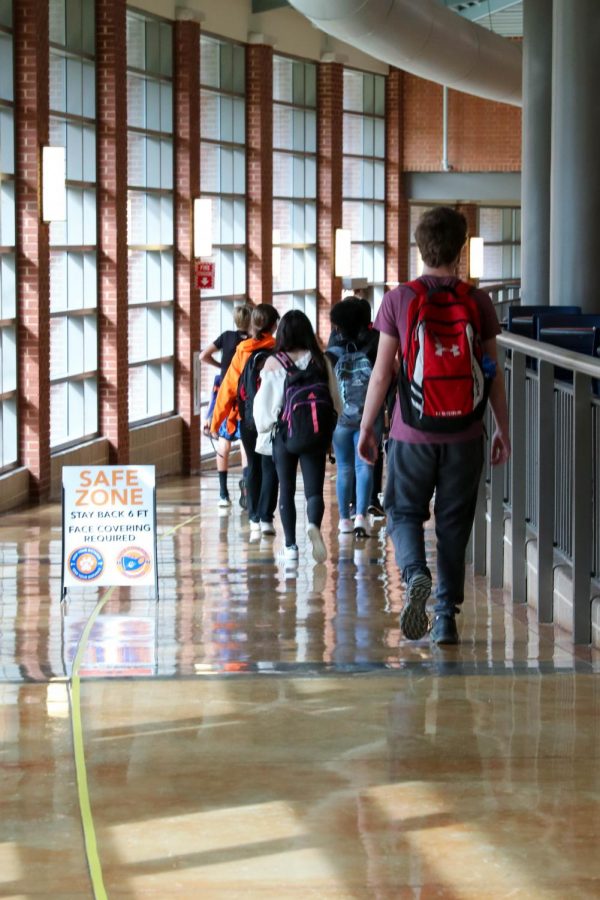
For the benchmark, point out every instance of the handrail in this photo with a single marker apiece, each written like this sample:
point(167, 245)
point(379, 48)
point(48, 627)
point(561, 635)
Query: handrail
point(566, 359)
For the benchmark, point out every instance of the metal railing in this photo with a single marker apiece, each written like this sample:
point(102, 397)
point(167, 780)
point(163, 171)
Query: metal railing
point(550, 490)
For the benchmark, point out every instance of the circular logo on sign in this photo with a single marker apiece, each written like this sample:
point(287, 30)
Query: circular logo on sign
point(133, 562)
point(86, 563)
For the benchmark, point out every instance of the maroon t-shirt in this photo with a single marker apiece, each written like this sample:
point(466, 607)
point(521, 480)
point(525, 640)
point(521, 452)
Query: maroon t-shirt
point(392, 319)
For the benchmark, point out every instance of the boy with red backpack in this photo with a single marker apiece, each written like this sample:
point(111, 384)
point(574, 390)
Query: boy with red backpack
point(445, 333)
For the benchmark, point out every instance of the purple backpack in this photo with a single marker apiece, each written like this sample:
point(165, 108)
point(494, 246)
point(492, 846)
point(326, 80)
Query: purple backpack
point(308, 417)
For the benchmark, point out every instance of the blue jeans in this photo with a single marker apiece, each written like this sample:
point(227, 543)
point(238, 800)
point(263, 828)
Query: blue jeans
point(350, 467)
point(415, 473)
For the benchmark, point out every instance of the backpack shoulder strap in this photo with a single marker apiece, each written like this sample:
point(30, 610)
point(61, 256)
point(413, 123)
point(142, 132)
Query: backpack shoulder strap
point(417, 287)
point(286, 363)
point(463, 288)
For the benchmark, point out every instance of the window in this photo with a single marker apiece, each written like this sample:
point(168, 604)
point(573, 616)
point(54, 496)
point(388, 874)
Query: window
point(295, 186)
point(73, 279)
point(223, 180)
point(150, 217)
point(8, 305)
point(500, 228)
point(363, 211)
point(415, 262)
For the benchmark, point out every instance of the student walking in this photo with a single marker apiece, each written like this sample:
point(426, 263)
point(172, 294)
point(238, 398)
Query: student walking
point(446, 333)
point(226, 345)
point(260, 475)
point(295, 411)
point(353, 351)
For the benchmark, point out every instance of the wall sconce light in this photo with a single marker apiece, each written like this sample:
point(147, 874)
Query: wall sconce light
point(420, 263)
point(476, 257)
point(343, 252)
point(54, 190)
point(202, 227)
point(276, 254)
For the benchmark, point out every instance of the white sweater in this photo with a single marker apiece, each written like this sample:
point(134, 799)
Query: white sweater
point(269, 399)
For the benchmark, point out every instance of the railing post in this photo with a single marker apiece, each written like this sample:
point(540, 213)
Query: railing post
point(497, 508)
point(518, 479)
point(582, 508)
point(545, 492)
point(479, 533)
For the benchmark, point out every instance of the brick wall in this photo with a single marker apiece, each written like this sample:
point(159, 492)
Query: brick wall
point(330, 97)
point(259, 171)
point(32, 236)
point(396, 205)
point(111, 124)
point(483, 136)
point(187, 187)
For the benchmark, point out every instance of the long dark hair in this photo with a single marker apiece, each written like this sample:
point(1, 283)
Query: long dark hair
point(295, 332)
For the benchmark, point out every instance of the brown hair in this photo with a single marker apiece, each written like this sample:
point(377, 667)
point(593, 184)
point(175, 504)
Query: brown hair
point(440, 235)
point(264, 318)
point(241, 317)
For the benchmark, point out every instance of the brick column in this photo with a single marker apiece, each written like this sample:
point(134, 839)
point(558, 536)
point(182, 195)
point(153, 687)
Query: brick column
point(397, 211)
point(31, 55)
point(330, 148)
point(469, 211)
point(187, 187)
point(111, 129)
point(259, 172)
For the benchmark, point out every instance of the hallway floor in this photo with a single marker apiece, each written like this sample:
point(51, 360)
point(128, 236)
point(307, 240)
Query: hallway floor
point(266, 732)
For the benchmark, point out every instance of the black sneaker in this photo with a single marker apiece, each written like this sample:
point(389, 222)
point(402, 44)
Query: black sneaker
point(376, 510)
point(414, 622)
point(243, 494)
point(444, 630)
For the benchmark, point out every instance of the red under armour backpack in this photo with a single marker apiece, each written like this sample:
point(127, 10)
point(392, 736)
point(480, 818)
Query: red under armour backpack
point(444, 379)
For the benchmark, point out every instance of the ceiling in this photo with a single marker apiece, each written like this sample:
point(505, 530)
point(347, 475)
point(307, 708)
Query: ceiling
point(504, 17)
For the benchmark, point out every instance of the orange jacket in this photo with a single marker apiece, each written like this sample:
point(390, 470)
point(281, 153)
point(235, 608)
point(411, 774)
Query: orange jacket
point(226, 402)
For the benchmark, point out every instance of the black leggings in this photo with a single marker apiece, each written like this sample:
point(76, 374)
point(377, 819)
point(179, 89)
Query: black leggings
point(261, 480)
point(313, 476)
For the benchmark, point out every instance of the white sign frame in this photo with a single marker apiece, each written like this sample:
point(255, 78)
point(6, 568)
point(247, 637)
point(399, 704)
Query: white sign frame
point(109, 527)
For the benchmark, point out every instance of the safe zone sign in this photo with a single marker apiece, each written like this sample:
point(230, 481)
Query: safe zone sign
point(109, 526)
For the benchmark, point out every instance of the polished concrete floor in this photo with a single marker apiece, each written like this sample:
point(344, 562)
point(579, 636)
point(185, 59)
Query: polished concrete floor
point(265, 732)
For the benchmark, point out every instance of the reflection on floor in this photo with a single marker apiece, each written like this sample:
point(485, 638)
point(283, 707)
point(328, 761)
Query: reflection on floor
point(265, 731)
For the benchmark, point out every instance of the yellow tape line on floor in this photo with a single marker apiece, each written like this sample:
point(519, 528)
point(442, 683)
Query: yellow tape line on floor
point(85, 808)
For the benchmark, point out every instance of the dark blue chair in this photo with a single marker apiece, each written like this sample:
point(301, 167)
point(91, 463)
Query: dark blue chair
point(581, 334)
point(557, 320)
point(521, 319)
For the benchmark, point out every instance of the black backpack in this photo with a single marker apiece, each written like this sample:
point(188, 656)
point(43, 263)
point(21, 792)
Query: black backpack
point(248, 385)
point(308, 417)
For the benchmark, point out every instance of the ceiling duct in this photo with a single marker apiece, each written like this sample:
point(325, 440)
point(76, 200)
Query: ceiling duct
point(426, 39)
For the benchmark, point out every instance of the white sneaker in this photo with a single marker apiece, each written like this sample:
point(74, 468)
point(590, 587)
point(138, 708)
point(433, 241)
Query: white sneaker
point(319, 550)
point(362, 528)
point(346, 526)
point(224, 501)
point(289, 554)
point(267, 528)
point(254, 529)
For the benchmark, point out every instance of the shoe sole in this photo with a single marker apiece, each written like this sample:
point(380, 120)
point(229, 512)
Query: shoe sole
point(414, 622)
point(319, 551)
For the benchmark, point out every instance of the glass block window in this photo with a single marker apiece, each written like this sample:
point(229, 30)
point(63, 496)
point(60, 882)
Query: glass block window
point(363, 190)
point(8, 306)
point(295, 186)
point(500, 228)
point(73, 279)
point(150, 216)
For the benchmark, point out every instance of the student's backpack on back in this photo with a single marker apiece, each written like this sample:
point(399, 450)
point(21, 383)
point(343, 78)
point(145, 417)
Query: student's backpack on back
point(248, 386)
point(308, 416)
point(444, 377)
point(353, 370)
